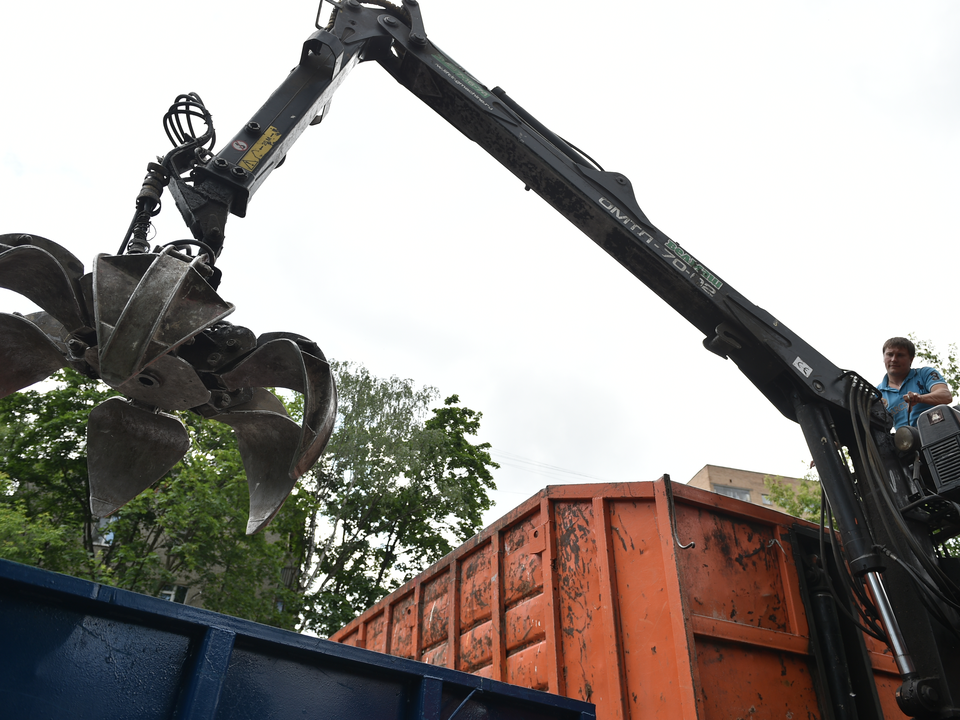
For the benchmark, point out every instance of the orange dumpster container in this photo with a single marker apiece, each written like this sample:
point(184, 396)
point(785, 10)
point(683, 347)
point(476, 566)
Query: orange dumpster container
point(648, 602)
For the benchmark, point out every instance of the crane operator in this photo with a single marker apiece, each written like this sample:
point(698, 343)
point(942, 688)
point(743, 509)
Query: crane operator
point(908, 392)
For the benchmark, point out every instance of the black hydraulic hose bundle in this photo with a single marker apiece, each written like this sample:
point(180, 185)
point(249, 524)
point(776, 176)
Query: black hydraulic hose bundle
point(192, 145)
point(936, 585)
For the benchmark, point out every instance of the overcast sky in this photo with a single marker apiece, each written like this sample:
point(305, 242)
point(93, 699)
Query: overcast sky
point(807, 153)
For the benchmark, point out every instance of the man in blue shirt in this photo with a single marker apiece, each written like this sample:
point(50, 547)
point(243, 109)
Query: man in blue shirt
point(908, 392)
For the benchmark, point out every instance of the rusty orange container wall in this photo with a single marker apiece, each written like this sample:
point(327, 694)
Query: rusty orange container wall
point(584, 591)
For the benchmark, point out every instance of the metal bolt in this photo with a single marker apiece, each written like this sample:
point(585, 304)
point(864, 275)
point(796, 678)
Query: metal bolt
point(223, 399)
point(418, 39)
point(238, 171)
point(220, 163)
point(818, 386)
point(353, 4)
point(621, 180)
point(214, 358)
point(76, 346)
point(391, 21)
point(253, 127)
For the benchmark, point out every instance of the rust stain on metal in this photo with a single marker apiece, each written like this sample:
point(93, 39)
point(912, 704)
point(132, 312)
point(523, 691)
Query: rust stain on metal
point(525, 624)
point(520, 534)
point(476, 648)
point(580, 597)
point(528, 668)
point(476, 588)
point(737, 555)
point(436, 611)
point(437, 656)
point(522, 576)
point(376, 634)
point(404, 619)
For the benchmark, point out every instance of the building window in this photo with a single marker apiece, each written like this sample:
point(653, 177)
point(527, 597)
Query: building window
point(103, 531)
point(174, 593)
point(766, 500)
point(738, 493)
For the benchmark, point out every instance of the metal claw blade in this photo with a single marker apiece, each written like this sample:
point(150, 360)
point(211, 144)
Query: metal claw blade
point(45, 273)
point(147, 305)
point(268, 438)
point(129, 449)
point(282, 363)
point(170, 383)
point(27, 354)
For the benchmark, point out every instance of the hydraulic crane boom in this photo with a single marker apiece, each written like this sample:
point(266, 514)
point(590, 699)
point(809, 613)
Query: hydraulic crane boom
point(835, 408)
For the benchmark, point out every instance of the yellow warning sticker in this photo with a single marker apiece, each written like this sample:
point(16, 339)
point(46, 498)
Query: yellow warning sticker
point(260, 149)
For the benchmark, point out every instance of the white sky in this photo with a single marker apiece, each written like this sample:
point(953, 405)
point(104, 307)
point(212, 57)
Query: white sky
point(807, 153)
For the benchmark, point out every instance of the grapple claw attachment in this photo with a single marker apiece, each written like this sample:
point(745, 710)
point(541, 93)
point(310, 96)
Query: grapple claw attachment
point(147, 305)
point(27, 354)
point(268, 438)
point(281, 362)
point(151, 326)
point(45, 273)
point(129, 449)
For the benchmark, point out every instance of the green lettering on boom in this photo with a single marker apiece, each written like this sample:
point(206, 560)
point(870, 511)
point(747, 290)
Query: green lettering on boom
point(464, 77)
point(696, 264)
point(681, 254)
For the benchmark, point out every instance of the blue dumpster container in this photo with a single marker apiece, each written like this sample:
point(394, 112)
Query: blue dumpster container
point(78, 650)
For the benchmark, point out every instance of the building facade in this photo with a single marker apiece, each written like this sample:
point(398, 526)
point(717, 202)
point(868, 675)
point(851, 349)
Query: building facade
point(740, 484)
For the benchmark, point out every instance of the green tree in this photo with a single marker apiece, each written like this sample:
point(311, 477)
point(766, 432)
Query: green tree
point(189, 528)
point(802, 501)
point(42, 442)
point(927, 354)
point(399, 483)
point(397, 486)
point(24, 539)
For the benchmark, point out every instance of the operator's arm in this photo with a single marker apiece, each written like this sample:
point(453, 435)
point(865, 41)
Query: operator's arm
point(939, 395)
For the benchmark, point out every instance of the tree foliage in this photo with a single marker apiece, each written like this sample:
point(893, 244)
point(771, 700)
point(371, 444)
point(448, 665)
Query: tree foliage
point(24, 539)
point(188, 529)
point(397, 486)
point(802, 501)
point(947, 363)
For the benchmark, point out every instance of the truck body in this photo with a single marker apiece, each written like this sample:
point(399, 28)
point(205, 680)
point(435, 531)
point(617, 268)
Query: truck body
point(76, 649)
point(700, 608)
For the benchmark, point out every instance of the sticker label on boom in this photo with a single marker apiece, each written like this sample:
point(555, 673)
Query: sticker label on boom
point(260, 149)
point(804, 369)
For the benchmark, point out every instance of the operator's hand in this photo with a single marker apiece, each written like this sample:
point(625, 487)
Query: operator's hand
point(912, 399)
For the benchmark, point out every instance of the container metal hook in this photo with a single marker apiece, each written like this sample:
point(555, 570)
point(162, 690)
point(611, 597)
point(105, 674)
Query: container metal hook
point(668, 489)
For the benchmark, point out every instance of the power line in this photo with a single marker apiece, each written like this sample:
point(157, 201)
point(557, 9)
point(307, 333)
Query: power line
point(539, 468)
